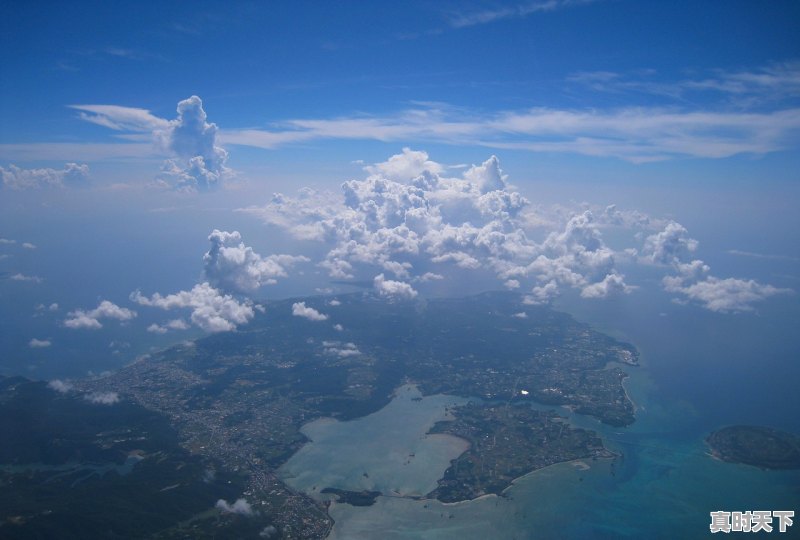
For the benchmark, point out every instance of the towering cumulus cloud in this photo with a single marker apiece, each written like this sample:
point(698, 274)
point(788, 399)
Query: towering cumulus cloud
point(231, 265)
point(231, 270)
point(197, 160)
point(407, 221)
point(201, 163)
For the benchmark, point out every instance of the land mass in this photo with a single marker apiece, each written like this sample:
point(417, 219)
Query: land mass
point(240, 398)
point(507, 442)
point(355, 498)
point(70, 468)
point(762, 447)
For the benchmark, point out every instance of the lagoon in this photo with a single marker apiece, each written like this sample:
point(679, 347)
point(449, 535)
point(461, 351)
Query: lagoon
point(663, 486)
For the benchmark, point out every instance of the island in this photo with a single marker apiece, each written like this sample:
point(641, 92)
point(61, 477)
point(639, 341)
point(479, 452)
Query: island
point(762, 447)
point(355, 498)
point(236, 401)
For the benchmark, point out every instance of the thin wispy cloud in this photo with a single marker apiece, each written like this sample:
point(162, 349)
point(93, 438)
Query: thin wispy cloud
point(121, 118)
point(742, 124)
point(486, 16)
point(22, 277)
point(753, 255)
point(758, 116)
point(638, 134)
point(769, 84)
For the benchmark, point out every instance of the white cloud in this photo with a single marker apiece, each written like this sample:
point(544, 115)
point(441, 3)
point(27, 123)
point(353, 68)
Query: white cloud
point(268, 532)
point(743, 88)
point(429, 276)
point(7, 241)
point(341, 350)
point(308, 217)
point(39, 343)
point(212, 310)
point(635, 134)
point(60, 386)
point(473, 18)
point(487, 176)
point(102, 398)
point(231, 265)
point(194, 142)
point(669, 246)
point(542, 294)
point(672, 246)
point(610, 285)
point(729, 295)
point(299, 309)
point(240, 506)
point(199, 163)
point(632, 219)
point(23, 277)
point(79, 319)
point(756, 117)
point(28, 245)
point(421, 227)
point(121, 118)
point(405, 166)
point(520, 315)
point(91, 319)
point(393, 289)
point(742, 253)
point(177, 324)
point(71, 175)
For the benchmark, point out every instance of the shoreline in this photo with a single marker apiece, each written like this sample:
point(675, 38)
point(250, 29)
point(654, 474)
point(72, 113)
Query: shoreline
point(579, 465)
point(636, 407)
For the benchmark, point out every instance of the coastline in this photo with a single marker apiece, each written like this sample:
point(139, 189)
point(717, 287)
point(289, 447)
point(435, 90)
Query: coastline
point(579, 465)
point(636, 406)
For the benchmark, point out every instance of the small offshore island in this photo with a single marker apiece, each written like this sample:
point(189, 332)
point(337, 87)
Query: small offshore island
point(762, 447)
point(355, 498)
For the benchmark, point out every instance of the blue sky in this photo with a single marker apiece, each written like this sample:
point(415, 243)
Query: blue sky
point(129, 134)
point(265, 65)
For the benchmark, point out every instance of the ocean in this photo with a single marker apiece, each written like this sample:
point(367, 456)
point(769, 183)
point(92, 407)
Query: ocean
point(699, 371)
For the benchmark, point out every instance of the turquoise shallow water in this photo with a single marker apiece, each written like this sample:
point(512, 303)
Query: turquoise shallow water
point(388, 451)
point(699, 372)
point(664, 486)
